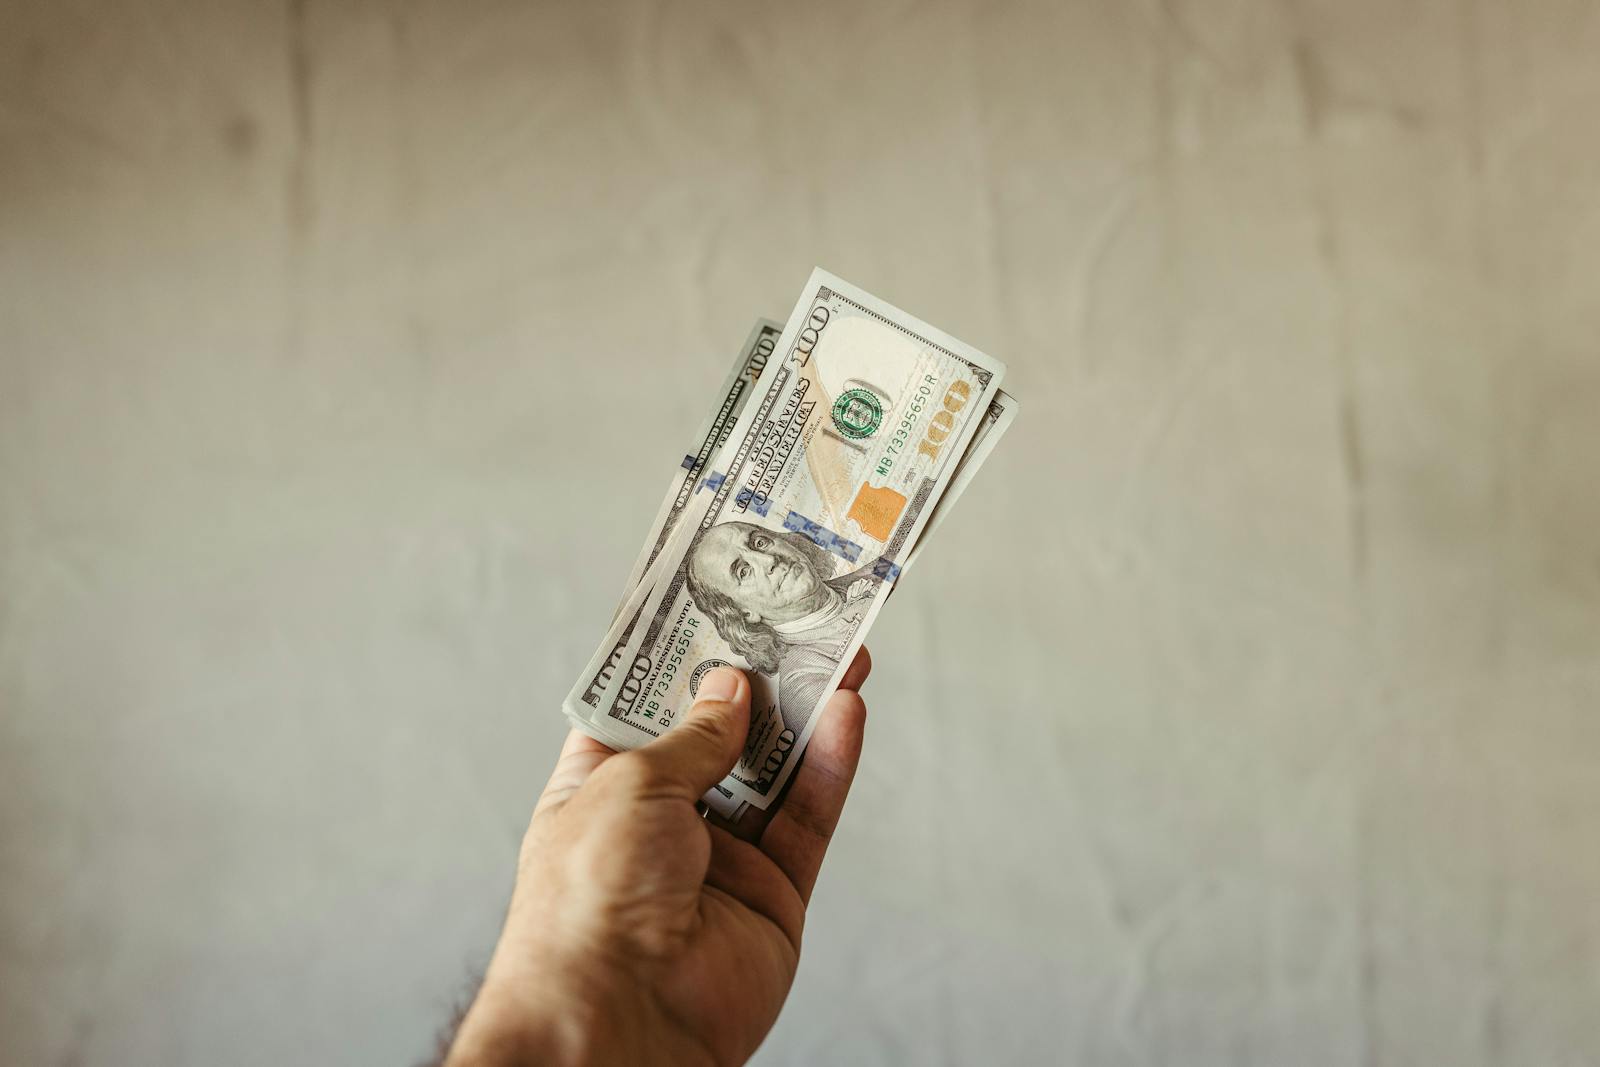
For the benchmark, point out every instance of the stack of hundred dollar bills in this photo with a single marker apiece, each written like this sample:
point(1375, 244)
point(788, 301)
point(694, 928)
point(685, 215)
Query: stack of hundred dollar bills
point(837, 444)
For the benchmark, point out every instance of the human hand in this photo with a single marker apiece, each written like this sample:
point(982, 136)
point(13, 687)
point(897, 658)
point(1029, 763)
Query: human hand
point(640, 932)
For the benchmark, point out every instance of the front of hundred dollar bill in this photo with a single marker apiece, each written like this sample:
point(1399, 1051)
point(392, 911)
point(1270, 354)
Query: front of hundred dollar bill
point(801, 524)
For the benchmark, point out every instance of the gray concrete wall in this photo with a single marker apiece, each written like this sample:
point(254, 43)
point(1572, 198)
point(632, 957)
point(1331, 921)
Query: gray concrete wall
point(1247, 712)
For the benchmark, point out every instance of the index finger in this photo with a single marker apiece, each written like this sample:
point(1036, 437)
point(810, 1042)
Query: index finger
point(750, 822)
point(797, 836)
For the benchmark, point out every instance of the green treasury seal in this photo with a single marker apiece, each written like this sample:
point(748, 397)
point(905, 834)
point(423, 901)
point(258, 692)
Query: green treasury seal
point(857, 413)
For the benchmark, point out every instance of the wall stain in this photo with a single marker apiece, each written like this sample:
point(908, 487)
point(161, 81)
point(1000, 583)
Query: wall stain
point(300, 158)
point(240, 136)
point(299, 207)
point(1354, 471)
point(1313, 86)
point(1315, 103)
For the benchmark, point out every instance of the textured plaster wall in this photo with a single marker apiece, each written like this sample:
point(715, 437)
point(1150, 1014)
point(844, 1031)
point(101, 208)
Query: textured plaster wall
point(1248, 711)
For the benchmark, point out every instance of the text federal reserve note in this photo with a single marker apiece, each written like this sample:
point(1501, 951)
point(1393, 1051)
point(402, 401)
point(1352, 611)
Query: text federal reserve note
point(729, 404)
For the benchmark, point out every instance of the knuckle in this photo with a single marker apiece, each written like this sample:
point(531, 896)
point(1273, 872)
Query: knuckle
point(817, 826)
point(811, 819)
point(631, 772)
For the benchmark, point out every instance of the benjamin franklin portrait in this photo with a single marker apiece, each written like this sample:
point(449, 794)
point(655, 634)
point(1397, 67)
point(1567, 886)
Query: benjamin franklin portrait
point(775, 600)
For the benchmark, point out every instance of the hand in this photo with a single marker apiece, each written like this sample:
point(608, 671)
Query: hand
point(640, 932)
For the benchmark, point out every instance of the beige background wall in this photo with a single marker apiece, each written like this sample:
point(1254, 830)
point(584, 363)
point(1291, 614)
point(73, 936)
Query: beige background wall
point(1247, 712)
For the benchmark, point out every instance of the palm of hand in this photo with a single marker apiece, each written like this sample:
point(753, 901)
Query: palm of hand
point(692, 929)
point(722, 973)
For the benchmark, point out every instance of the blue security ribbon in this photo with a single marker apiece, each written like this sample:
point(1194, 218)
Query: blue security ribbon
point(795, 522)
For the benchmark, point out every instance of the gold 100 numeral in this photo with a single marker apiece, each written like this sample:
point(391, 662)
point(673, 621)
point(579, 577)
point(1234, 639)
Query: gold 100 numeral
point(955, 398)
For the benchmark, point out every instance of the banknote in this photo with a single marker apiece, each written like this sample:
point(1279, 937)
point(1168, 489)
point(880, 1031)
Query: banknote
point(1002, 411)
point(728, 402)
point(731, 398)
point(994, 424)
point(996, 421)
point(803, 520)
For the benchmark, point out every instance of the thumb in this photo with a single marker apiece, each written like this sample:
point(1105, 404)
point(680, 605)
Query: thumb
point(702, 748)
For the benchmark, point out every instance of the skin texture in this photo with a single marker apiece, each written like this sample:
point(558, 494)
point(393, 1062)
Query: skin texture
point(641, 932)
point(763, 573)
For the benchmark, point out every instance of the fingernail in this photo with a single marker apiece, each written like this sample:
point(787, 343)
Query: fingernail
point(721, 684)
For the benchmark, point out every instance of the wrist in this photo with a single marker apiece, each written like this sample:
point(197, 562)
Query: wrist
point(504, 1031)
point(558, 1015)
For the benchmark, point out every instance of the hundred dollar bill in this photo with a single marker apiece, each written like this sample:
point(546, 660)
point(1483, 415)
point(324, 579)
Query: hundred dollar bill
point(1002, 411)
point(730, 401)
point(809, 509)
point(578, 706)
point(996, 421)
